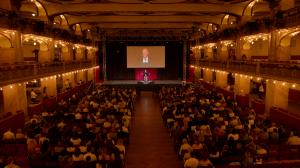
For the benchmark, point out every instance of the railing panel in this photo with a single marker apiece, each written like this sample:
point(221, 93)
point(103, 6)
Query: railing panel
point(22, 71)
point(287, 71)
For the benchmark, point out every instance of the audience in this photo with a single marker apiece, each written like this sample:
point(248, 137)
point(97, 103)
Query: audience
point(92, 128)
point(209, 129)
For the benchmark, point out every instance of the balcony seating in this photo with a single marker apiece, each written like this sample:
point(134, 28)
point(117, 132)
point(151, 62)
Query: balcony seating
point(242, 100)
point(49, 103)
point(283, 117)
point(258, 106)
point(19, 71)
point(278, 70)
point(14, 122)
point(259, 58)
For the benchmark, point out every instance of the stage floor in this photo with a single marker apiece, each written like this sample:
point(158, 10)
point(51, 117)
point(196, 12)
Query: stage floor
point(135, 82)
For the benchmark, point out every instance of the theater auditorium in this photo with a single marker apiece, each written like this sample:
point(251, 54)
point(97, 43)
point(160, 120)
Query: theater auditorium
point(149, 83)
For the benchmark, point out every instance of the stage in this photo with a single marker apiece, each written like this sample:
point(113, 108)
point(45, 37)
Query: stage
point(154, 85)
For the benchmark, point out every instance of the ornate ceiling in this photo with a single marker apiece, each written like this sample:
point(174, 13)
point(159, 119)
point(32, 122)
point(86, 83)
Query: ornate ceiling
point(152, 14)
point(146, 1)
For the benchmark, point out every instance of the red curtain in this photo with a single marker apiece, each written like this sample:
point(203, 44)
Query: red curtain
point(139, 74)
point(98, 76)
point(191, 74)
point(294, 95)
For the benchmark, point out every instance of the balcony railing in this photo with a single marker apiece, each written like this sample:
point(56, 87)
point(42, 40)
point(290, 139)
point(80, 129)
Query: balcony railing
point(12, 73)
point(274, 70)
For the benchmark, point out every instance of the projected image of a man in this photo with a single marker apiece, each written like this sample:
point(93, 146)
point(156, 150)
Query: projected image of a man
point(145, 56)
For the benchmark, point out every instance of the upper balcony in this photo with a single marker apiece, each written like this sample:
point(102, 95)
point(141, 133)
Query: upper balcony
point(273, 70)
point(14, 73)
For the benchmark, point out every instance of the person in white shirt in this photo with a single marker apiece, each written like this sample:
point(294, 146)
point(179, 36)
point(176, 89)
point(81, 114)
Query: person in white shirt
point(145, 56)
point(191, 163)
point(77, 156)
point(120, 147)
point(75, 140)
point(20, 135)
point(185, 147)
point(11, 164)
point(89, 157)
point(9, 135)
point(293, 140)
point(33, 96)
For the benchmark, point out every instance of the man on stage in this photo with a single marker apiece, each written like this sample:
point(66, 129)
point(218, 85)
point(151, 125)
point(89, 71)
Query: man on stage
point(146, 76)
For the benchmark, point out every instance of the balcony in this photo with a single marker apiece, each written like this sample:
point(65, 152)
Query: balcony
point(274, 70)
point(14, 73)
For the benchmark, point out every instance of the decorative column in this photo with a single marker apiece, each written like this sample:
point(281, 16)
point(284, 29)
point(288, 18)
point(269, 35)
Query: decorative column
point(18, 46)
point(272, 46)
point(184, 59)
point(104, 59)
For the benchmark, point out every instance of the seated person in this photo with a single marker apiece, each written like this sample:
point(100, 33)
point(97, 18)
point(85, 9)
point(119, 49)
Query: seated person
point(293, 139)
point(77, 156)
point(205, 162)
point(8, 135)
point(185, 148)
point(191, 162)
point(11, 164)
point(20, 135)
point(89, 156)
point(75, 140)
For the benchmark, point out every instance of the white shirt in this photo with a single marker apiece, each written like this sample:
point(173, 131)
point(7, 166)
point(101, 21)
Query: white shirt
point(93, 156)
point(33, 95)
point(293, 140)
point(191, 163)
point(145, 60)
point(8, 135)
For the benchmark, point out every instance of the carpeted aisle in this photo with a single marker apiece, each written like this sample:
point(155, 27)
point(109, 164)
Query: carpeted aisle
point(150, 144)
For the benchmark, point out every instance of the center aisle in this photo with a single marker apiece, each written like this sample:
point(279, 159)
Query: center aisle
point(150, 144)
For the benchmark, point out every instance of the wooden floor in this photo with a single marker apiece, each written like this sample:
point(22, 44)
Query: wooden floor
point(150, 144)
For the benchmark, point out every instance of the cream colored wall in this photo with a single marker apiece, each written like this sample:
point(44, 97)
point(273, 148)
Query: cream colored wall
point(295, 49)
point(14, 98)
point(259, 48)
point(50, 83)
point(90, 74)
point(277, 94)
point(242, 85)
point(79, 54)
point(7, 55)
point(197, 73)
point(91, 54)
point(27, 49)
point(283, 49)
point(81, 76)
point(45, 56)
point(8, 49)
point(5, 4)
point(221, 79)
point(69, 76)
point(207, 75)
point(287, 4)
point(223, 53)
point(208, 53)
point(67, 53)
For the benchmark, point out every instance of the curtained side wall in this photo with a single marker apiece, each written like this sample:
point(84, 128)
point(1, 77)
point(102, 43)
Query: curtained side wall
point(116, 61)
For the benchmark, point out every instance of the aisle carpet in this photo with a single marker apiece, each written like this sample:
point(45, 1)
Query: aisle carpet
point(150, 145)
